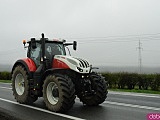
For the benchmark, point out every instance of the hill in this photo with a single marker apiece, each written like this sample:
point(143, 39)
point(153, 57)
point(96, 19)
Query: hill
point(130, 69)
point(5, 67)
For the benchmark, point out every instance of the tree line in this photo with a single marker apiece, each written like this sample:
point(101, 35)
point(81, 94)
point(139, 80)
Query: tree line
point(5, 76)
point(133, 81)
point(121, 80)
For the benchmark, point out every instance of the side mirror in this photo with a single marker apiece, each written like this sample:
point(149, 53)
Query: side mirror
point(74, 45)
point(33, 43)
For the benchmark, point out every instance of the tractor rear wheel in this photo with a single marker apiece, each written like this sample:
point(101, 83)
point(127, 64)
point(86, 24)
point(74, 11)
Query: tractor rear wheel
point(20, 86)
point(99, 86)
point(58, 92)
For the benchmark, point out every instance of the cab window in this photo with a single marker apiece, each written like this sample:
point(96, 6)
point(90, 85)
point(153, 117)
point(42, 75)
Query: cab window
point(35, 54)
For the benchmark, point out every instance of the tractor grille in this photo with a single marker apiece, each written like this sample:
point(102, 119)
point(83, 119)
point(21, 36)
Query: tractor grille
point(83, 63)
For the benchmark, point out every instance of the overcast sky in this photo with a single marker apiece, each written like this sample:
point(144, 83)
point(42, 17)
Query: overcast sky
point(107, 31)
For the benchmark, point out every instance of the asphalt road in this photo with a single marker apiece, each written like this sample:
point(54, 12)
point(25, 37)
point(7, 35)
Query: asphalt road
point(118, 106)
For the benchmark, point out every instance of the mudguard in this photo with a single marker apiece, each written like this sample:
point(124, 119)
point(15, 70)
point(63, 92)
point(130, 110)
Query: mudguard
point(54, 70)
point(27, 63)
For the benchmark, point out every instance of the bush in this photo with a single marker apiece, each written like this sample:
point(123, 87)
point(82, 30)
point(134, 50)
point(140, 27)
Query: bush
point(5, 76)
point(111, 79)
point(144, 81)
point(155, 83)
point(123, 77)
point(130, 80)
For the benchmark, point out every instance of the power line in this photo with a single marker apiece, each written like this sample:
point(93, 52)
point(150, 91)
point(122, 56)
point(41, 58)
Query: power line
point(117, 37)
point(90, 41)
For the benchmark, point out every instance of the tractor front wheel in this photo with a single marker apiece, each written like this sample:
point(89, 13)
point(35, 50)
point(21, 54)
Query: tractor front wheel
point(98, 84)
point(58, 93)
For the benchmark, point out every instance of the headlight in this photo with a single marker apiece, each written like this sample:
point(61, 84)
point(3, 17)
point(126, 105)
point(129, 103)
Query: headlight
point(72, 61)
point(81, 70)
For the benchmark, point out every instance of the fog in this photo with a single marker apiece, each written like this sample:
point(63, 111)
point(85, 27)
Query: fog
point(107, 31)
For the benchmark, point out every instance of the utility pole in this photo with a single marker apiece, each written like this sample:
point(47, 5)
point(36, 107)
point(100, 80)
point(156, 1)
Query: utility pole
point(140, 56)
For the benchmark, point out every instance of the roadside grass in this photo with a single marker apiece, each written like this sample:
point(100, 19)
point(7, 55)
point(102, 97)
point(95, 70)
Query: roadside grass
point(136, 91)
point(5, 81)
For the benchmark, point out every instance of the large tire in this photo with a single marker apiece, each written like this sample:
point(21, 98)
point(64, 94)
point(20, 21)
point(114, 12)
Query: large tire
point(99, 86)
point(20, 86)
point(58, 93)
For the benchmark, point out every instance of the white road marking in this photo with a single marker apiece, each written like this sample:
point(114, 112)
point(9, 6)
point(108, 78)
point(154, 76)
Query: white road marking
point(135, 94)
point(43, 110)
point(6, 88)
point(108, 102)
point(132, 105)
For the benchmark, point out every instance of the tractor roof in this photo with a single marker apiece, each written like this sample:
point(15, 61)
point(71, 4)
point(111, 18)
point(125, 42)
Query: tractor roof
point(47, 40)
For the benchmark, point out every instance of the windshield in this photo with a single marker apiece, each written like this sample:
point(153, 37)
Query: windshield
point(55, 49)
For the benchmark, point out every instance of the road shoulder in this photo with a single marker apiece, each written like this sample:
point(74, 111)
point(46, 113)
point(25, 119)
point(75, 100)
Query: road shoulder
point(7, 115)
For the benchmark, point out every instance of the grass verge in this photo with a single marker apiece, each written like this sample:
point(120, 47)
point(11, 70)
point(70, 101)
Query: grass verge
point(5, 81)
point(136, 91)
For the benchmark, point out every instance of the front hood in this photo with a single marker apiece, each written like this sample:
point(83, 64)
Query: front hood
point(76, 64)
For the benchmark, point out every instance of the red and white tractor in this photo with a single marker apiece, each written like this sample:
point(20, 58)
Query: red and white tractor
point(49, 73)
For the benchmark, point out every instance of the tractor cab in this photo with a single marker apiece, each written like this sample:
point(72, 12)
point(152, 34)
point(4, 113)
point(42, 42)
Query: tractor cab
point(43, 51)
point(51, 49)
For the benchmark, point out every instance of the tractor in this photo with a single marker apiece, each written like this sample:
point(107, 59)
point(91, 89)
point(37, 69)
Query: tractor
point(59, 78)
